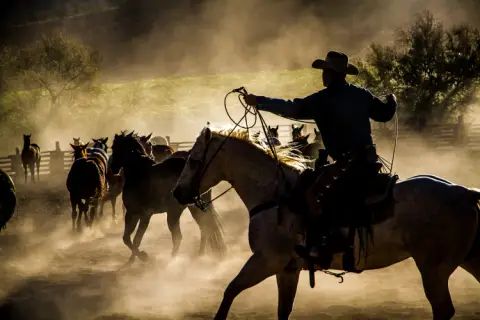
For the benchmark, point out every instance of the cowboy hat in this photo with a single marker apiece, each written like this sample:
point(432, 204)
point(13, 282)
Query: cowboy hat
point(337, 61)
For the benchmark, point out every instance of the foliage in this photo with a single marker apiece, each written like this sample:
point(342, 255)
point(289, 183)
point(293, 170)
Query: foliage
point(434, 71)
point(57, 65)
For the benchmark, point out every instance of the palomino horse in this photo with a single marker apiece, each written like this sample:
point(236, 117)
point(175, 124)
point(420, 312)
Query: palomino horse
point(148, 190)
point(115, 182)
point(31, 157)
point(86, 183)
point(431, 220)
point(8, 199)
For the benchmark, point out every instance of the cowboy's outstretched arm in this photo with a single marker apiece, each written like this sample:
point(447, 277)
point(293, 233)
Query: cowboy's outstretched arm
point(299, 108)
point(382, 111)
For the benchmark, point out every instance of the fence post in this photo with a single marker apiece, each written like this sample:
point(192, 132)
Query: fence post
point(460, 132)
point(16, 164)
point(56, 164)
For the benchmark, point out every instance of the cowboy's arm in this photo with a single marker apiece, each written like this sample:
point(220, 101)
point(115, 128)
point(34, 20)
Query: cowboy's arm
point(299, 108)
point(381, 111)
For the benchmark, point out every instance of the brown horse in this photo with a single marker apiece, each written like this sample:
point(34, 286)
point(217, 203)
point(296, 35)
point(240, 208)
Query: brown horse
point(8, 199)
point(301, 145)
point(86, 182)
point(31, 157)
point(115, 182)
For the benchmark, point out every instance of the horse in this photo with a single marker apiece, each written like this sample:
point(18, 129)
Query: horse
point(114, 182)
point(8, 199)
point(157, 152)
point(427, 218)
point(300, 144)
point(147, 191)
point(77, 142)
point(86, 183)
point(273, 136)
point(31, 157)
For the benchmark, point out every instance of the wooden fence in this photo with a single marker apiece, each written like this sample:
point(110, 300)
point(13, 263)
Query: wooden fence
point(446, 137)
point(58, 162)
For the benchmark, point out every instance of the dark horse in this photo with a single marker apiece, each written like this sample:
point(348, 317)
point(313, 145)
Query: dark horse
point(157, 152)
point(86, 182)
point(115, 182)
point(31, 157)
point(308, 150)
point(8, 199)
point(148, 190)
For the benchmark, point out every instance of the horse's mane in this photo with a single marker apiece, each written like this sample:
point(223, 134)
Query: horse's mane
point(284, 154)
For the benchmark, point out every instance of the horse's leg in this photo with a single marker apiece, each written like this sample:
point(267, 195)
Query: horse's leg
point(173, 222)
point(38, 170)
point(32, 171)
point(198, 217)
point(81, 212)
point(113, 201)
point(258, 268)
point(287, 283)
point(142, 227)
point(25, 169)
point(131, 221)
point(73, 202)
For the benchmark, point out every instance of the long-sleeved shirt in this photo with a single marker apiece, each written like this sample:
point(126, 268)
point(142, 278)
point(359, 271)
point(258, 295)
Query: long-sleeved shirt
point(342, 112)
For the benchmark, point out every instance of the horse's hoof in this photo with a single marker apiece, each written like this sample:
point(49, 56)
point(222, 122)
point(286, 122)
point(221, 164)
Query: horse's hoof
point(142, 255)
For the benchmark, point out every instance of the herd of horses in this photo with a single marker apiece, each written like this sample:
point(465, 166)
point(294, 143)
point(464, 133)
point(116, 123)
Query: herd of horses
point(431, 220)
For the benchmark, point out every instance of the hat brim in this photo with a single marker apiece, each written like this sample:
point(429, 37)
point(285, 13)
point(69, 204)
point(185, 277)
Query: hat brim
point(322, 64)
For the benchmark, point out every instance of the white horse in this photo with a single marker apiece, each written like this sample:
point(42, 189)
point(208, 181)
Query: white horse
point(432, 221)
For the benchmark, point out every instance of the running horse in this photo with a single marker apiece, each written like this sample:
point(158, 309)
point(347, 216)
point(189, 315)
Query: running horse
point(427, 218)
point(86, 183)
point(148, 190)
point(8, 199)
point(31, 157)
point(114, 182)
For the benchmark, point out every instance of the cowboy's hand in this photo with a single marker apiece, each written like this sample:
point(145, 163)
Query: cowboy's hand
point(250, 99)
point(391, 98)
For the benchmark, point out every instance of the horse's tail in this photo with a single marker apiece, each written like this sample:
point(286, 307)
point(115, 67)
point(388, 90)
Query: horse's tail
point(211, 226)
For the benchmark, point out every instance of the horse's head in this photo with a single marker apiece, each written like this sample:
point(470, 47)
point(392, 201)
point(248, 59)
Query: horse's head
point(100, 144)
point(256, 137)
point(297, 132)
point(200, 172)
point(123, 147)
point(26, 139)
point(79, 151)
point(146, 143)
point(273, 132)
point(318, 136)
point(76, 141)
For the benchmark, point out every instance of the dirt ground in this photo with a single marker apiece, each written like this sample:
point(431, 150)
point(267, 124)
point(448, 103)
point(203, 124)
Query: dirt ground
point(47, 272)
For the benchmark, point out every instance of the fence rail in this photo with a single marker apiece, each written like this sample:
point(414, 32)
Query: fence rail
point(438, 137)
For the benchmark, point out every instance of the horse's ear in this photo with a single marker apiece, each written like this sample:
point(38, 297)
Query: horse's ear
point(269, 128)
point(73, 147)
point(94, 140)
point(149, 136)
point(293, 127)
point(130, 134)
point(276, 128)
point(316, 131)
point(306, 137)
point(208, 134)
point(105, 140)
point(85, 146)
point(302, 126)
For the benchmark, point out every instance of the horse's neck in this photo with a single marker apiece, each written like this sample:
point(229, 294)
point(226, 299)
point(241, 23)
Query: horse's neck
point(26, 145)
point(254, 174)
point(137, 165)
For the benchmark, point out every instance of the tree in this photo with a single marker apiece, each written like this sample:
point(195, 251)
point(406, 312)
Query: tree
point(58, 66)
point(433, 71)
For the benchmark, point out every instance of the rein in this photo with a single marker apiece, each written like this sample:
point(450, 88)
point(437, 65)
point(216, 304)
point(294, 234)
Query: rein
point(248, 110)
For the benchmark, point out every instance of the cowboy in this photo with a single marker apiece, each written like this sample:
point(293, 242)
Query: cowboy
point(342, 112)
